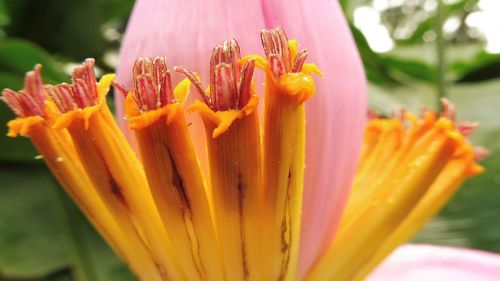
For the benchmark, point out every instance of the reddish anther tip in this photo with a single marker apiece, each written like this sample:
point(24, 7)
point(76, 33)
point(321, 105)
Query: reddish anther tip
point(152, 83)
point(31, 100)
point(448, 109)
point(299, 61)
point(11, 98)
point(480, 153)
point(275, 44)
point(246, 83)
point(161, 76)
point(34, 86)
point(197, 84)
point(119, 88)
point(82, 94)
point(467, 128)
point(277, 66)
point(143, 65)
point(86, 75)
point(146, 92)
point(62, 95)
point(225, 88)
point(230, 85)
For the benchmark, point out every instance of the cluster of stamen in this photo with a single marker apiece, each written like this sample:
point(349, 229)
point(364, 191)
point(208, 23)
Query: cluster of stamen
point(448, 111)
point(230, 84)
point(152, 83)
point(31, 100)
point(466, 128)
point(275, 45)
point(81, 93)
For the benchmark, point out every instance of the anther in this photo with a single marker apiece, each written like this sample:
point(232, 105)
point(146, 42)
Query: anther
point(31, 100)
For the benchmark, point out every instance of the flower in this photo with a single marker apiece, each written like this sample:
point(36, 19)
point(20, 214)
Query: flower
point(335, 117)
point(169, 223)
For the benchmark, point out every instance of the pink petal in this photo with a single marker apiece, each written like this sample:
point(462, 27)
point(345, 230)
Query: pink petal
point(438, 263)
point(185, 32)
point(335, 115)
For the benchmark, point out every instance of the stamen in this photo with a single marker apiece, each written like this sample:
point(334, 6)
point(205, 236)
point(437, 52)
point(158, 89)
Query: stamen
point(230, 85)
point(62, 95)
point(34, 86)
point(197, 84)
point(82, 94)
point(448, 109)
point(275, 43)
point(86, 75)
point(224, 86)
point(163, 81)
point(120, 88)
point(152, 84)
point(146, 92)
point(31, 100)
point(31, 107)
point(246, 83)
point(277, 65)
point(299, 61)
point(480, 153)
point(224, 75)
point(467, 127)
point(143, 65)
point(11, 98)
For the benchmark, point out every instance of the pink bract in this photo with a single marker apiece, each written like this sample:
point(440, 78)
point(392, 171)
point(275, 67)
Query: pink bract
point(438, 263)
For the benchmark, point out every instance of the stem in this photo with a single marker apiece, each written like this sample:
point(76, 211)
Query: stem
point(78, 244)
point(440, 54)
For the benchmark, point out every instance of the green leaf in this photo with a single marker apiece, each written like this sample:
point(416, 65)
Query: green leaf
point(4, 14)
point(408, 69)
point(31, 228)
point(36, 241)
point(482, 66)
point(376, 70)
point(19, 56)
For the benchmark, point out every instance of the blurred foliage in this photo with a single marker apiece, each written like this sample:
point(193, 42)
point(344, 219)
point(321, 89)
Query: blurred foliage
point(42, 237)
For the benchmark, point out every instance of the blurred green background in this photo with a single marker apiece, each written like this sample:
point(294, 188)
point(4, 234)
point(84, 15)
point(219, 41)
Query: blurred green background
point(414, 51)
